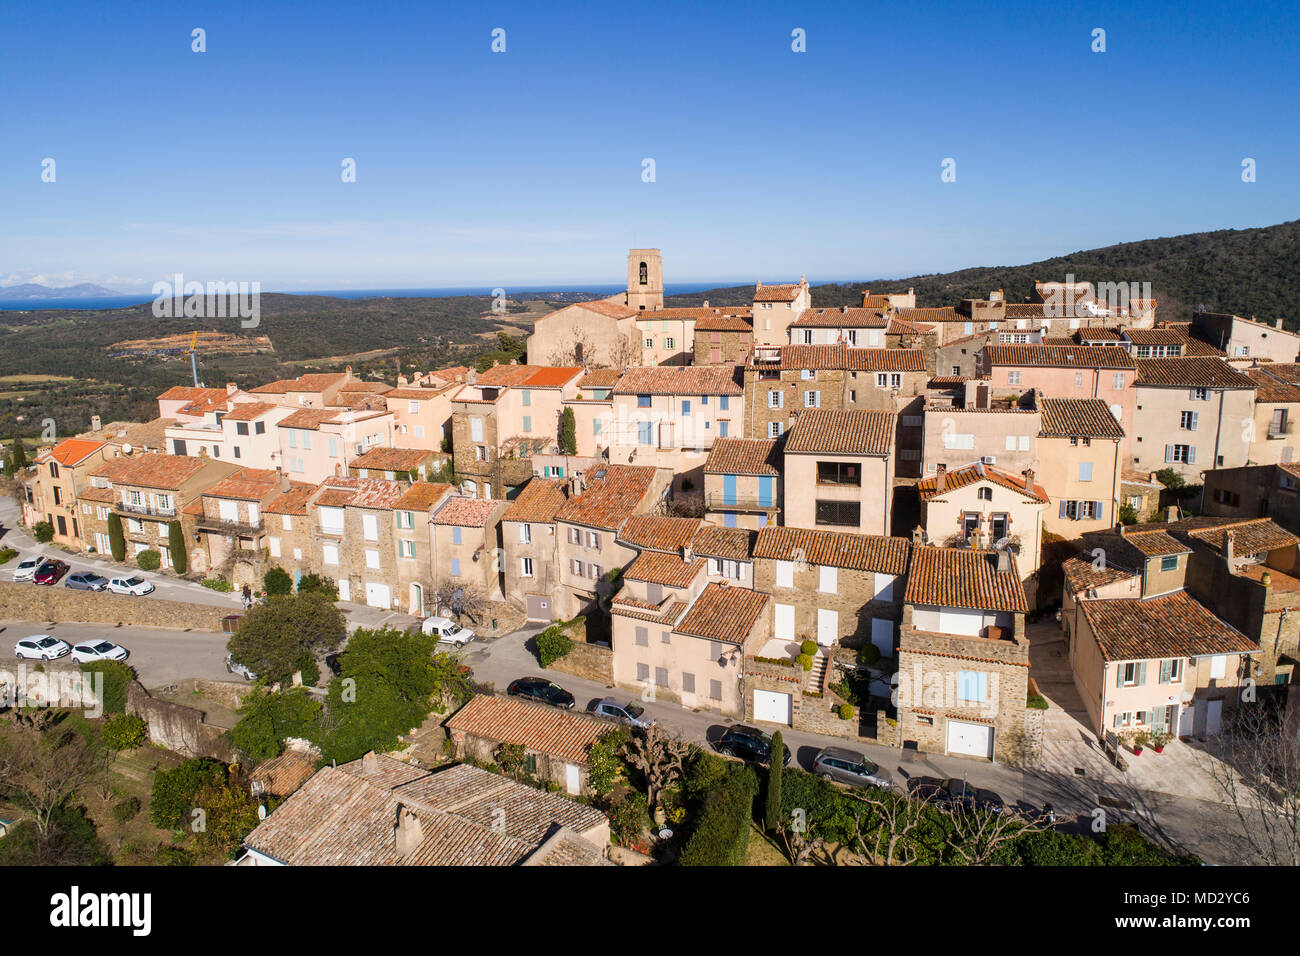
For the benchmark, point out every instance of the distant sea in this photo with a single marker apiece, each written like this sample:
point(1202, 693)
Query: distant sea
point(516, 291)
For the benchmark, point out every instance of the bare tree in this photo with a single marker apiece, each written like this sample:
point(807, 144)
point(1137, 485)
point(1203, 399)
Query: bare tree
point(896, 817)
point(461, 599)
point(576, 349)
point(978, 832)
point(42, 767)
point(625, 351)
point(659, 756)
point(1259, 777)
point(799, 846)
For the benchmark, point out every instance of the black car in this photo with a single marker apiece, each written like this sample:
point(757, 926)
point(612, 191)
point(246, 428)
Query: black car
point(955, 792)
point(332, 662)
point(749, 744)
point(542, 690)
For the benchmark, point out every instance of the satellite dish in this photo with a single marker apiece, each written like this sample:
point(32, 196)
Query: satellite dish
point(261, 811)
point(1001, 543)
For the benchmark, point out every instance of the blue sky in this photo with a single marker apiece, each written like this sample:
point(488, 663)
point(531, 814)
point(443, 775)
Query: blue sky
point(475, 168)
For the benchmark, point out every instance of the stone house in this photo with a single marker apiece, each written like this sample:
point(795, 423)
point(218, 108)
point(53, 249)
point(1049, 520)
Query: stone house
point(836, 588)
point(1193, 415)
point(723, 339)
point(1255, 491)
point(530, 547)
point(776, 307)
point(231, 516)
point(417, 558)
point(500, 418)
point(289, 540)
point(963, 662)
point(846, 458)
point(465, 540)
point(60, 476)
point(397, 464)
point(1080, 461)
point(781, 382)
point(742, 482)
point(556, 744)
point(354, 538)
point(728, 553)
point(1141, 492)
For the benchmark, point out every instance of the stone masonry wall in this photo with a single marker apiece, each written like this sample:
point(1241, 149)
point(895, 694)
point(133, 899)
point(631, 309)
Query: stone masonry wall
point(30, 602)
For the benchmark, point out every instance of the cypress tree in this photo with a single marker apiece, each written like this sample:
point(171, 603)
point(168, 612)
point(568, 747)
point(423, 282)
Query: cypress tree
point(116, 540)
point(775, 765)
point(568, 432)
point(176, 544)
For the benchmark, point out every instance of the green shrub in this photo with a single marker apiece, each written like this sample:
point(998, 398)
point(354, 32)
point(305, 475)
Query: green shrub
point(175, 790)
point(721, 835)
point(604, 760)
point(552, 644)
point(265, 720)
point(148, 560)
point(772, 798)
point(628, 818)
point(803, 662)
point(568, 432)
point(277, 581)
point(809, 648)
point(7, 555)
point(319, 584)
point(869, 655)
point(116, 677)
point(846, 712)
point(1036, 702)
point(126, 810)
point(43, 532)
point(124, 732)
point(218, 584)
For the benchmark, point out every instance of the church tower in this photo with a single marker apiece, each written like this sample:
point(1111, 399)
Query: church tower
point(645, 279)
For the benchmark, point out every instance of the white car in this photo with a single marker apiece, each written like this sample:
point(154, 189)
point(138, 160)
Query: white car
point(447, 631)
point(89, 651)
point(132, 585)
point(26, 570)
point(234, 667)
point(42, 647)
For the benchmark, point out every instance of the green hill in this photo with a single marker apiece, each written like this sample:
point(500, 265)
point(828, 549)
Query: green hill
point(1250, 272)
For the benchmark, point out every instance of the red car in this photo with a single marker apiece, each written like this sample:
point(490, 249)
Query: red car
point(51, 571)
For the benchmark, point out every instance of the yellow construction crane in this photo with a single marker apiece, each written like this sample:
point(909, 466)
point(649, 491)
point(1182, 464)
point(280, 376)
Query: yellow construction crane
point(194, 362)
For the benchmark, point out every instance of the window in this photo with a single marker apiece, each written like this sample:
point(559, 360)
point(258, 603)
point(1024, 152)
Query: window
point(839, 513)
point(643, 401)
point(642, 637)
point(715, 690)
point(593, 539)
point(812, 399)
point(1085, 471)
point(372, 559)
point(330, 554)
point(1013, 378)
point(972, 687)
point(1219, 666)
point(1187, 421)
point(774, 429)
point(775, 399)
point(984, 494)
point(406, 520)
point(525, 533)
point(241, 428)
point(1078, 379)
point(1200, 394)
point(526, 567)
point(785, 574)
point(1185, 454)
point(370, 527)
point(688, 683)
point(1169, 562)
point(970, 524)
point(1132, 674)
point(455, 567)
point(669, 342)
point(724, 427)
point(686, 406)
point(293, 437)
point(838, 473)
point(455, 535)
point(1171, 671)
point(649, 343)
point(1117, 381)
point(642, 672)
point(406, 549)
point(853, 396)
point(661, 676)
point(808, 374)
point(827, 580)
point(525, 396)
point(998, 525)
point(528, 423)
point(724, 403)
point(476, 429)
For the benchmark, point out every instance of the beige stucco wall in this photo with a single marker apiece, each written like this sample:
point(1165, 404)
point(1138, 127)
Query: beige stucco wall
point(1225, 422)
point(875, 494)
point(944, 515)
point(1059, 476)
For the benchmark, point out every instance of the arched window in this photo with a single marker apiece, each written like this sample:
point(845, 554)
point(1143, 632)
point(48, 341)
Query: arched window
point(645, 274)
point(577, 352)
point(985, 494)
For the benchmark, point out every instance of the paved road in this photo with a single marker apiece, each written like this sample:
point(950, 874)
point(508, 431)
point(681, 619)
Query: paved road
point(1198, 826)
point(159, 655)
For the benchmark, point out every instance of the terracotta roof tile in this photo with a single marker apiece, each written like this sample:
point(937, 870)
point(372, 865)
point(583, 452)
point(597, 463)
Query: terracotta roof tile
point(293, 501)
point(421, 496)
point(310, 418)
point(782, 292)
point(1173, 625)
point(679, 380)
point(1252, 536)
point(247, 411)
point(609, 500)
point(360, 492)
point(848, 318)
point(827, 431)
point(391, 459)
point(663, 567)
point(1082, 573)
point(540, 501)
point(1059, 356)
point(247, 484)
point(600, 378)
point(1190, 373)
point(724, 613)
point(467, 512)
point(152, 470)
point(973, 474)
point(316, 382)
point(839, 549)
point(960, 577)
point(733, 544)
point(1272, 391)
point(658, 533)
point(71, 451)
point(1078, 418)
point(536, 727)
point(744, 456)
point(941, 314)
point(724, 323)
point(613, 310)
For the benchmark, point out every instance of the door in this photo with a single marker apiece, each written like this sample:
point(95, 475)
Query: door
point(378, 595)
point(417, 600)
point(772, 707)
point(971, 740)
point(1213, 717)
point(539, 607)
point(882, 636)
point(1186, 722)
point(345, 589)
point(828, 626)
point(572, 779)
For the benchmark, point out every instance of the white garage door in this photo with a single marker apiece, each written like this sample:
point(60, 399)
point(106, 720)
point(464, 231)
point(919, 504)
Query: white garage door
point(771, 706)
point(377, 595)
point(828, 626)
point(973, 740)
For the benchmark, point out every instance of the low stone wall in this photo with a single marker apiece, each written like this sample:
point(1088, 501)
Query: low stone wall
point(177, 727)
point(820, 716)
point(1035, 727)
point(31, 602)
point(886, 730)
point(227, 693)
point(589, 661)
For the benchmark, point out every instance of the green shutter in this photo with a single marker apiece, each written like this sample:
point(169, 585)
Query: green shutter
point(1142, 674)
point(1166, 668)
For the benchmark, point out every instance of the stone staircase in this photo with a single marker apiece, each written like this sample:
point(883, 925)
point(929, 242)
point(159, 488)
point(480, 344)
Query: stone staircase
point(814, 677)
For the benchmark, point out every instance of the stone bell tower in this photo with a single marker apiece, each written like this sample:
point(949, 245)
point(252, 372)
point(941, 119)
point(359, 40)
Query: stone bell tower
point(645, 279)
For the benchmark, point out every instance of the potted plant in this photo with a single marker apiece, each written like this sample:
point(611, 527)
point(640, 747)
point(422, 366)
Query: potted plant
point(1158, 741)
point(1140, 740)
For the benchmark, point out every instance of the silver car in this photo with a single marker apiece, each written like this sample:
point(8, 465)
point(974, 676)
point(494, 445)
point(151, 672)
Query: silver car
point(848, 766)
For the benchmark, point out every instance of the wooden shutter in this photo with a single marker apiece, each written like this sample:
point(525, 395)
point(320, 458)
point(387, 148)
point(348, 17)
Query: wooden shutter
point(1169, 453)
point(1099, 510)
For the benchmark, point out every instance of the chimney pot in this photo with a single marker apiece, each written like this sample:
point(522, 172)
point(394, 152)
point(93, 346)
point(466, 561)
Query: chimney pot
point(1029, 480)
point(408, 834)
point(369, 762)
point(94, 423)
point(231, 388)
point(1229, 546)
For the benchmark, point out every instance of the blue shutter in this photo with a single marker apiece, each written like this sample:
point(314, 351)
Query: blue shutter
point(729, 519)
point(723, 401)
point(1191, 454)
point(722, 429)
point(455, 567)
point(686, 407)
point(1169, 453)
point(455, 535)
point(729, 489)
point(1101, 510)
point(1062, 507)
point(765, 491)
point(1085, 471)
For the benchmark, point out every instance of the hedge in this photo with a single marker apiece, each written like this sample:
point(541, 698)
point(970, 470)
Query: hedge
point(552, 644)
point(721, 835)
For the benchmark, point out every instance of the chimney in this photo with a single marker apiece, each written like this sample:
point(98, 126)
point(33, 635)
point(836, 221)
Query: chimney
point(402, 380)
point(844, 309)
point(347, 373)
point(940, 478)
point(1004, 561)
point(706, 305)
point(370, 763)
point(1172, 514)
point(1277, 324)
point(408, 833)
point(918, 535)
point(285, 484)
point(471, 377)
point(231, 388)
point(94, 423)
point(1029, 480)
point(688, 554)
point(1229, 545)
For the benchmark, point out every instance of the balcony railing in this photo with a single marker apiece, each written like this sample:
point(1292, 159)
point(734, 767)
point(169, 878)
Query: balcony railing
point(154, 510)
point(218, 526)
point(720, 501)
point(1281, 431)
